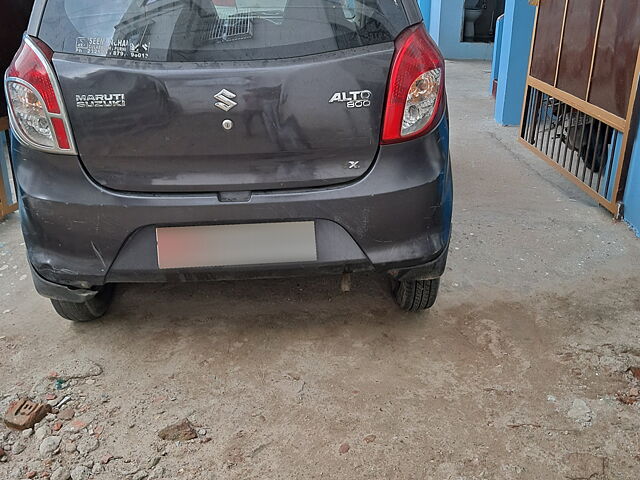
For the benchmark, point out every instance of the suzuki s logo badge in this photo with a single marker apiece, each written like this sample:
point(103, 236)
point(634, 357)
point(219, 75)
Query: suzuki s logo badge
point(356, 99)
point(225, 100)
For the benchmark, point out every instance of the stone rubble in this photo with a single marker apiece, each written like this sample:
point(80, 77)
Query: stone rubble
point(18, 447)
point(87, 445)
point(42, 432)
point(80, 473)
point(68, 443)
point(61, 473)
point(49, 446)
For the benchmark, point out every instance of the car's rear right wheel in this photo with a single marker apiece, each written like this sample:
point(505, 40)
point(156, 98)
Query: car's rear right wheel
point(415, 295)
point(92, 309)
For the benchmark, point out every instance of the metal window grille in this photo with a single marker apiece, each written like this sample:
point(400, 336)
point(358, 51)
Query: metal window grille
point(236, 27)
point(585, 147)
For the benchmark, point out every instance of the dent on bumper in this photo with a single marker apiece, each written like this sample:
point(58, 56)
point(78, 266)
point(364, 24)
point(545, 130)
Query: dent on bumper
point(56, 291)
point(398, 214)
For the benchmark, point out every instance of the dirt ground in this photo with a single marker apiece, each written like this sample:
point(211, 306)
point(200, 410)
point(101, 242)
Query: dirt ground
point(517, 373)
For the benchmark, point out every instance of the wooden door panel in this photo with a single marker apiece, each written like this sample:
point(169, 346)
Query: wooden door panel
point(577, 46)
point(616, 55)
point(547, 45)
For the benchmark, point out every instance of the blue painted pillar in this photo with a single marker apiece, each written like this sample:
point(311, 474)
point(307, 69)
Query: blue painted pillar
point(425, 6)
point(519, 17)
point(434, 20)
point(497, 50)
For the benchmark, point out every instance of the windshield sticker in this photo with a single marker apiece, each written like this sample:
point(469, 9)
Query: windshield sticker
point(91, 45)
point(139, 50)
point(112, 48)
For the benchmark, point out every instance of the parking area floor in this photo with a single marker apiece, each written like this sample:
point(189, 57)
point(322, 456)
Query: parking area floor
point(517, 373)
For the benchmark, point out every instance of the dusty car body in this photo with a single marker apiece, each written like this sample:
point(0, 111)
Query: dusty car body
point(160, 141)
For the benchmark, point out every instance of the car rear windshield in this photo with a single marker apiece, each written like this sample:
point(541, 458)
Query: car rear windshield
point(214, 30)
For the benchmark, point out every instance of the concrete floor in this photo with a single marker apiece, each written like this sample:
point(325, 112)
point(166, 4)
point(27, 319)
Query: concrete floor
point(513, 375)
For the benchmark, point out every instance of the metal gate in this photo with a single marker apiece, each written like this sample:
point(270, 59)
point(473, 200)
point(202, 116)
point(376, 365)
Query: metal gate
point(581, 92)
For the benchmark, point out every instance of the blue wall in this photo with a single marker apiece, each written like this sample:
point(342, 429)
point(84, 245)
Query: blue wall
point(434, 19)
point(514, 49)
point(632, 191)
point(425, 6)
point(445, 19)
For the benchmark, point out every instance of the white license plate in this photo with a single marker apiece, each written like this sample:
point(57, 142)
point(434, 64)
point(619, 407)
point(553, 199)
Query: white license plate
point(227, 245)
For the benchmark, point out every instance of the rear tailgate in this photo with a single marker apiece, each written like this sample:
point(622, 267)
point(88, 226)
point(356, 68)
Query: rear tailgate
point(167, 134)
point(196, 96)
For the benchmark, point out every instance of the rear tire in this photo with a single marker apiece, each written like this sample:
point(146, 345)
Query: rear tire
point(415, 295)
point(88, 311)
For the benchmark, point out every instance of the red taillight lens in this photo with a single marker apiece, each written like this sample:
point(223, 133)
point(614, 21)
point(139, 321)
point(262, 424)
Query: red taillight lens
point(30, 68)
point(36, 112)
point(415, 96)
point(61, 134)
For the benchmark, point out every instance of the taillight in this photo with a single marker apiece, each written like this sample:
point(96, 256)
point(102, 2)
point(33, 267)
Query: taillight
point(36, 111)
point(415, 95)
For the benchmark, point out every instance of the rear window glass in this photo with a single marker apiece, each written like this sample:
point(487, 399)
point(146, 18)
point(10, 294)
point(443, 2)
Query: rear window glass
point(212, 30)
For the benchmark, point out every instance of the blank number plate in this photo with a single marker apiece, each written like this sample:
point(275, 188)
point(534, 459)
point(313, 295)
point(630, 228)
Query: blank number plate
point(227, 245)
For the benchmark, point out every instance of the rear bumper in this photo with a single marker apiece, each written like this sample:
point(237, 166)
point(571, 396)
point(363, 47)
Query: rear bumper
point(432, 269)
point(396, 218)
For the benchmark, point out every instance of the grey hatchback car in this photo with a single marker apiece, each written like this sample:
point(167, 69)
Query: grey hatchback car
point(196, 140)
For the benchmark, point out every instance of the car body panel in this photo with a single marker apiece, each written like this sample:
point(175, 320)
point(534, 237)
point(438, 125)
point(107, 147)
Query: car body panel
point(167, 135)
point(165, 161)
point(398, 214)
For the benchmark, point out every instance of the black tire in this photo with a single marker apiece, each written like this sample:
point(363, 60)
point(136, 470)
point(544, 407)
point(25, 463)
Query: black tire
point(415, 295)
point(88, 311)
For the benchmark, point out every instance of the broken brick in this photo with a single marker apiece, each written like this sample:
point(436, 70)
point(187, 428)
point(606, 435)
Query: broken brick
point(635, 371)
point(77, 425)
point(66, 413)
point(626, 398)
point(369, 439)
point(24, 414)
point(181, 431)
point(344, 448)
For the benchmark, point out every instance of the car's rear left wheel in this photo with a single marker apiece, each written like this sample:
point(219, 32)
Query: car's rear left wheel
point(415, 295)
point(87, 311)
